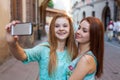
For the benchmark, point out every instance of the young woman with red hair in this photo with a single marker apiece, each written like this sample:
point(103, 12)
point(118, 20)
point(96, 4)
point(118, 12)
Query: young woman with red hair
point(53, 56)
point(89, 63)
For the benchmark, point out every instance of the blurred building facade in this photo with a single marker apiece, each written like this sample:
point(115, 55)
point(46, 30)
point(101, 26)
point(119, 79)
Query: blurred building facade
point(4, 19)
point(50, 12)
point(26, 11)
point(103, 9)
point(34, 11)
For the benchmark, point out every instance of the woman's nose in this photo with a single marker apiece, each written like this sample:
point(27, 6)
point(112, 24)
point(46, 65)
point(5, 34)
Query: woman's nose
point(61, 28)
point(78, 31)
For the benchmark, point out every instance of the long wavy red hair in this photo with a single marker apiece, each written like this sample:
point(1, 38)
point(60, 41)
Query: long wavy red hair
point(97, 41)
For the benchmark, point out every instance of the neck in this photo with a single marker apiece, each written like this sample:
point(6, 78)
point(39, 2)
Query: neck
point(61, 46)
point(83, 48)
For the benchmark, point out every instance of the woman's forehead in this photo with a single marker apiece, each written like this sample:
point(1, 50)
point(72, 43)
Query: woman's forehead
point(61, 20)
point(84, 23)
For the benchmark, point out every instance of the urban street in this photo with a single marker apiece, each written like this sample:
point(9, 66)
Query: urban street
point(15, 70)
point(56, 20)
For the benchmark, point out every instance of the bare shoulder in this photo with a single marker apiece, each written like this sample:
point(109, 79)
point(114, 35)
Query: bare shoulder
point(86, 65)
point(87, 59)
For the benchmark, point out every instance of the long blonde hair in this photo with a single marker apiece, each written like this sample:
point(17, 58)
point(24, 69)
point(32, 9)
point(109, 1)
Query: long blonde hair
point(70, 43)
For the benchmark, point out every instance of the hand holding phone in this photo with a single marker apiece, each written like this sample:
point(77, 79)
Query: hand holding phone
point(22, 29)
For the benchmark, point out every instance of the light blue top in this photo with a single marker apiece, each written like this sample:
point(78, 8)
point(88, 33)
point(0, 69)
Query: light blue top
point(40, 53)
point(73, 64)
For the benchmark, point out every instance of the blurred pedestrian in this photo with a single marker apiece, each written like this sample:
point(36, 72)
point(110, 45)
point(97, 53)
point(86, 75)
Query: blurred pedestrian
point(110, 30)
point(47, 28)
point(53, 56)
point(115, 29)
point(89, 63)
point(118, 30)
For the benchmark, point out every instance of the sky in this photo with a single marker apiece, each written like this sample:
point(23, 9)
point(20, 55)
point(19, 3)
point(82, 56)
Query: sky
point(62, 5)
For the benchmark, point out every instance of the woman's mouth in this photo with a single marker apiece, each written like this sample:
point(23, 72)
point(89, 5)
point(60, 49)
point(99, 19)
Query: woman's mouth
point(77, 37)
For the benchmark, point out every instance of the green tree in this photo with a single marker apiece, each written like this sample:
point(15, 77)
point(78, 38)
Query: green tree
point(51, 4)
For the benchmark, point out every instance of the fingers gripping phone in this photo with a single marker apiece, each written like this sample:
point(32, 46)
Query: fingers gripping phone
point(22, 29)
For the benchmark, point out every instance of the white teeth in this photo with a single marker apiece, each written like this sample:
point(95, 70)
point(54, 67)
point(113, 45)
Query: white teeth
point(61, 33)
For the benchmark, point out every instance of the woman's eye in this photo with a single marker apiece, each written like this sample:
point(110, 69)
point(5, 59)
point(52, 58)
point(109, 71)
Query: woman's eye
point(84, 30)
point(79, 27)
point(57, 26)
point(65, 25)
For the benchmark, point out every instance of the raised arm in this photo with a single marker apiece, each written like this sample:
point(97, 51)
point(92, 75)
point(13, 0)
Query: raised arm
point(13, 44)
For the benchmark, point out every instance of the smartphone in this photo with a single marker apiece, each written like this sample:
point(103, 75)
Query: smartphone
point(22, 29)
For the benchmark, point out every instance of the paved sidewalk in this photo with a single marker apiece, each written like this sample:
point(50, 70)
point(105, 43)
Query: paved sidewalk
point(13, 69)
point(16, 70)
point(43, 39)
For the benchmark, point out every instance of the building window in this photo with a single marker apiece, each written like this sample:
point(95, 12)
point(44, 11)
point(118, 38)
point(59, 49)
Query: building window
point(16, 10)
point(84, 15)
point(34, 11)
point(30, 11)
point(93, 13)
point(83, 0)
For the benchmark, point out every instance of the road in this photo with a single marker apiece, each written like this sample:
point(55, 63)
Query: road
point(15, 70)
point(111, 60)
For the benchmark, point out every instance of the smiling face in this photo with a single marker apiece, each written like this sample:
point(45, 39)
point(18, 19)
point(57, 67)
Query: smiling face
point(82, 35)
point(62, 28)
